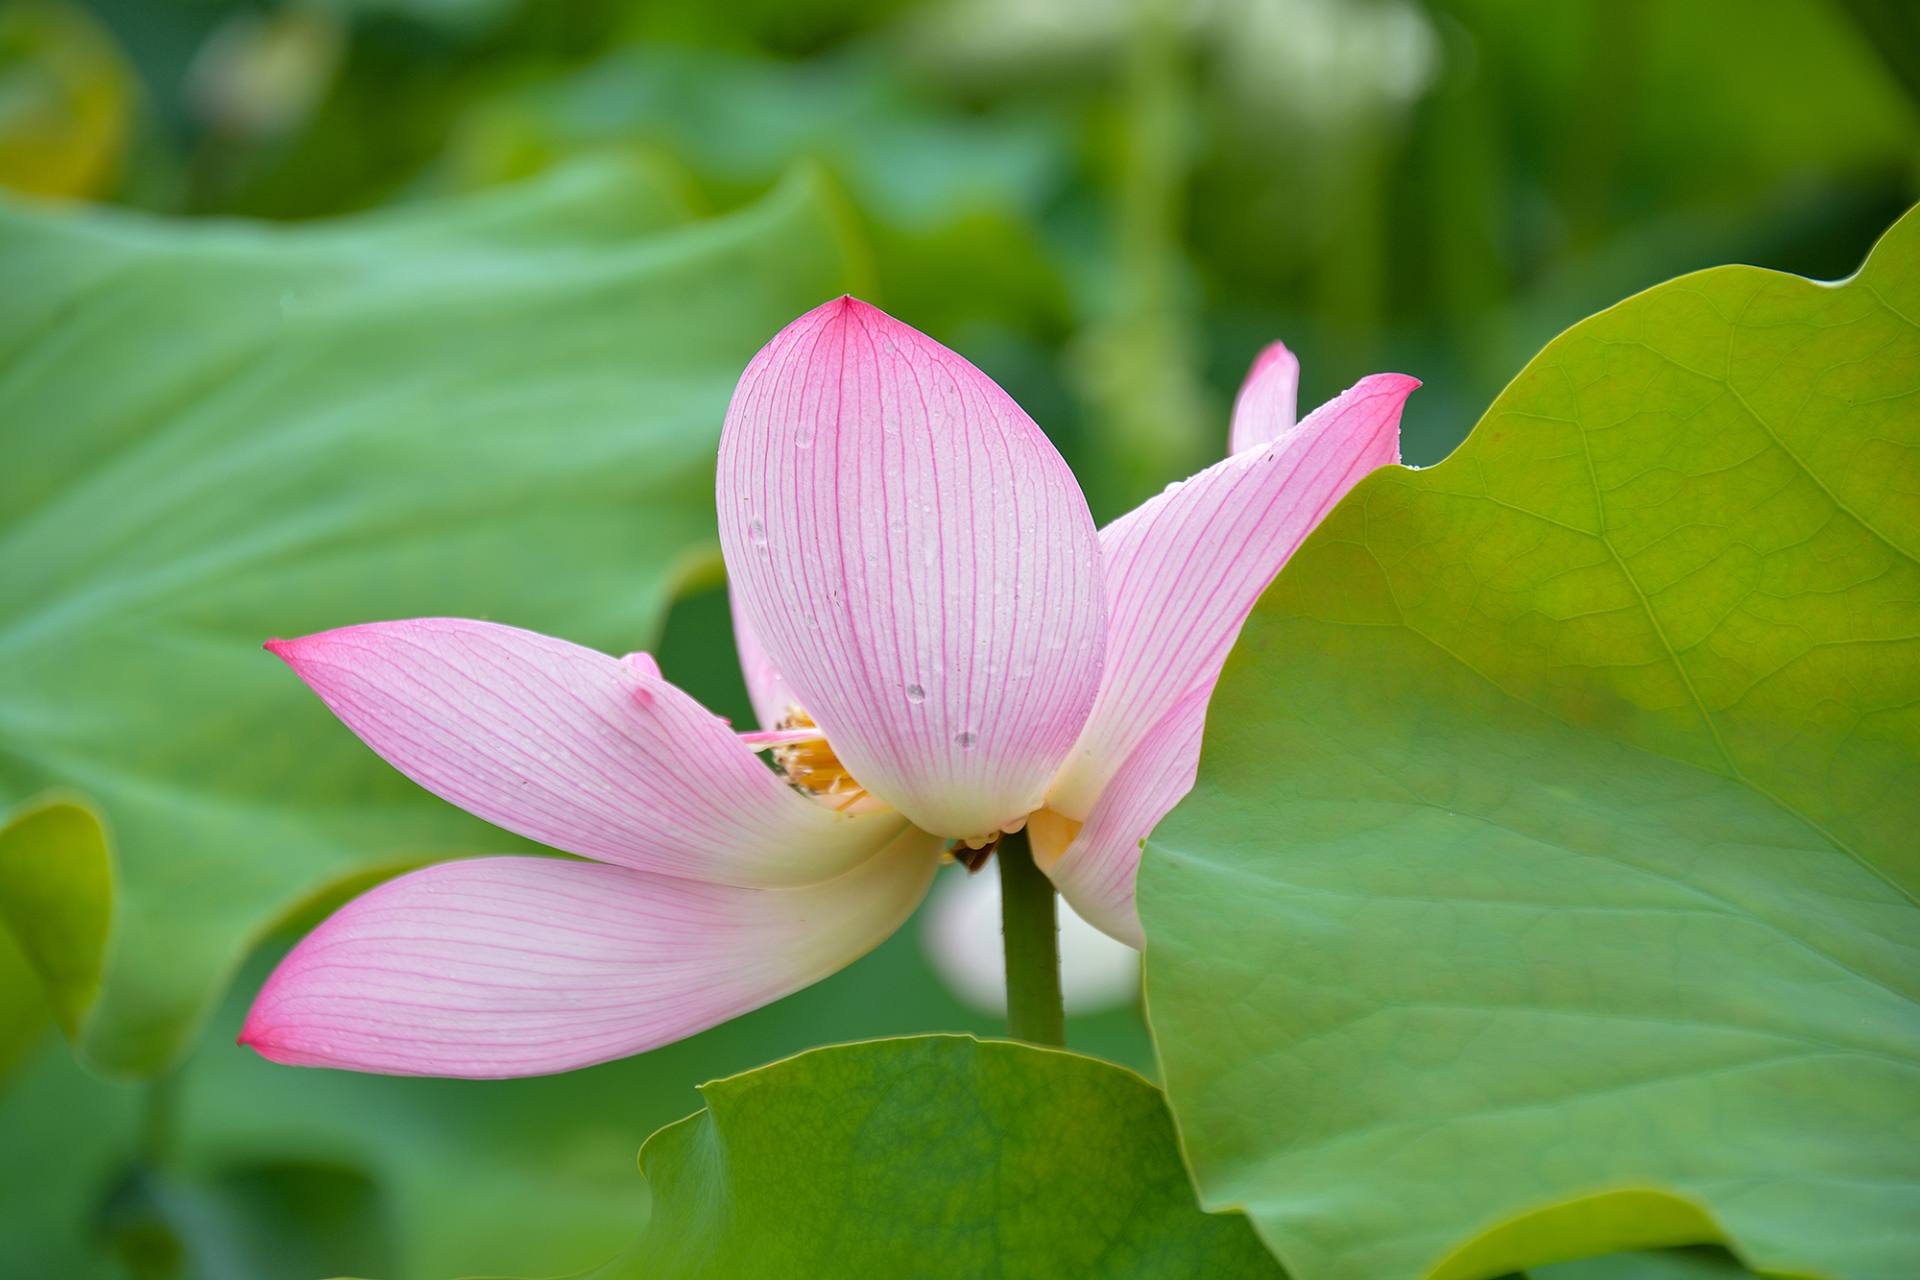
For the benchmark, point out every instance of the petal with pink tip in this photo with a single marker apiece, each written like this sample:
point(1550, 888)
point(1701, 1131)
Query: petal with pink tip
point(521, 966)
point(591, 754)
point(765, 689)
point(1096, 872)
point(1184, 568)
point(918, 563)
point(1268, 401)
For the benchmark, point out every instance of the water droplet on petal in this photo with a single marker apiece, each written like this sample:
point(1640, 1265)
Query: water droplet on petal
point(965, 739)
point(916, 694)
point(757, 530)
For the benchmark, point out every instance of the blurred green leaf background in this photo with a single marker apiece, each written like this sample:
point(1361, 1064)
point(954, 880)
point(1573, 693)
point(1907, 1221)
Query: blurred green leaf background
point(1109, 205)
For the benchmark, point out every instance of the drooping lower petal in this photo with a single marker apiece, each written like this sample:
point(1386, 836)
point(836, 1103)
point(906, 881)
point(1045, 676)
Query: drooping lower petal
point(1184, 568)
point(1267, 405)
point(520, 966)
point(591, 754)
point(917, 562)
point(1096, 872)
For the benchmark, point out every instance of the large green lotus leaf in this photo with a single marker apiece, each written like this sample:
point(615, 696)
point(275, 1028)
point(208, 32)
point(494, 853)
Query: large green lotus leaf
point(504, 407)
point(930, 1156)
point(1549, 885)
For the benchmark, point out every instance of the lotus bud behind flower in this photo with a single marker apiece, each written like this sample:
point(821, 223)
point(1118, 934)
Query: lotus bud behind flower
point(940, 648)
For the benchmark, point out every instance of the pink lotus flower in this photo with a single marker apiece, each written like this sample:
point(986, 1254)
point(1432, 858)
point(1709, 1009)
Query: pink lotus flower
point(940, 647)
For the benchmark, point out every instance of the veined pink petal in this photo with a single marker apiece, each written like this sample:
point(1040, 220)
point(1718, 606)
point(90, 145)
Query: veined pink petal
point(1267, 404)
point(1096, 872)
point(765, 689)
point(761, 739)
point(591, 754)
point(1184, 568)
point(917, 562)
point(522, 966)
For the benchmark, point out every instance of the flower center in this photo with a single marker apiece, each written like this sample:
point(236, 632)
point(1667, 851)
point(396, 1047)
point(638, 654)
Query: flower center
point(973, 852)
point(807, 760)
point(810, 764)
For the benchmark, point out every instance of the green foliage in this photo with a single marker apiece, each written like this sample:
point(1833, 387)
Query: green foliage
point(56, 901)
point(1549, 885)
point(1699, 1263)
point(24, 1013)
point(504, 407)
point(278, 1218)
point(950, 204)
point(65, 101)
point(930, 1156)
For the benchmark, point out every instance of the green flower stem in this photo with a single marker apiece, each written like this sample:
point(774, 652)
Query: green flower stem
point(1030, 933)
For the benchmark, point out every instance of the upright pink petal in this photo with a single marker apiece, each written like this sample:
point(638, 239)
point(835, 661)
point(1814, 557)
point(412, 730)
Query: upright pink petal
point(1184, 568)
point(1096, 872)
point(1266, 407)
point(765, 689)
point(917, 562)
point(522, 966)
point(591, 754)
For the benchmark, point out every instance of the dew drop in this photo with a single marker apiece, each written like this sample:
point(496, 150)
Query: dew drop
point(757, 530)
point(965, 739)
point(803, 436)
point(916, 694)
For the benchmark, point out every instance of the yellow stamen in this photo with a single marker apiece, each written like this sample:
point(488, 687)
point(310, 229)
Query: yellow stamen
point(810, 765)
point(813, 767)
